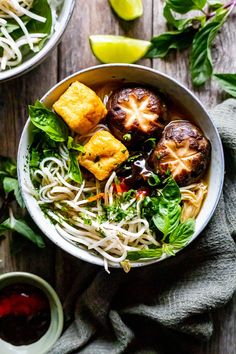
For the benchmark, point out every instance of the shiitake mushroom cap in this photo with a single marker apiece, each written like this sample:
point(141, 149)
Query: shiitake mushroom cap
point(135, 114)
point(184, 151)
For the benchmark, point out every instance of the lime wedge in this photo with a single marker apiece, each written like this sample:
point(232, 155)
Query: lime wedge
point(127, 9)
point(118, 49)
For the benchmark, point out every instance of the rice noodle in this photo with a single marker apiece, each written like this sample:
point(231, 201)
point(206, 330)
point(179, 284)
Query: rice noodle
point(70, 208)
point(192, 197)
point(15, 9)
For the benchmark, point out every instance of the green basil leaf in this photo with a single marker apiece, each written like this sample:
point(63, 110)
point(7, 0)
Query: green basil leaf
point(73, 145)
point(201, 61)
point(12, 185)
point(171, 192)
point(34, 158)
point(227, 82)
point(162, 44)
point(183, 7)
point(214, 5)
point(8, 167)
point(48, 121)
point(168, 211)
point(41, 8)
point(182, 234)
point(167, 218)
point(178, 24)
point(168, 249)
point(23, 229)
point(74, 171)
point(144, 254)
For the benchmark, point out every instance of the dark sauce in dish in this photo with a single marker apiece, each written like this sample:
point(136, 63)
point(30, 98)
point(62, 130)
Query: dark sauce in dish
point(24, 314)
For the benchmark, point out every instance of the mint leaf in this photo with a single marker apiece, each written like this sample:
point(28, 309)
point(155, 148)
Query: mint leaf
point(227, 82)
point(183, 7)
point(23, 229)
point(142, 254)
point(12, 185)
point(201, 60)
point(48, 121)
point(162, 44)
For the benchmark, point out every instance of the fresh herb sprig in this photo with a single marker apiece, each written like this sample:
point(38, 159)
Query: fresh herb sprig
point(163, 213)
point(199, 32)
point(9, 193)
point(50, 131)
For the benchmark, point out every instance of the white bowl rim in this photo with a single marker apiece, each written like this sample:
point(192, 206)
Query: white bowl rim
point(99, 260)
point(28, 65)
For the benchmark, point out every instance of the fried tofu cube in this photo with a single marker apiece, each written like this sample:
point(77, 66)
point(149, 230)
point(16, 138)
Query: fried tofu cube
point(103, 154)
point(80, 108)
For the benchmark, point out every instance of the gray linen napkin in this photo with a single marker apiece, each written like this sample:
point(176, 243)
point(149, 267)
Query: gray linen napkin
point(158, 308)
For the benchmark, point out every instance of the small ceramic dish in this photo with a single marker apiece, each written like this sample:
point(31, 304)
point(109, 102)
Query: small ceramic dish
point(64, 15)
point(54, 331)
point(127, 73)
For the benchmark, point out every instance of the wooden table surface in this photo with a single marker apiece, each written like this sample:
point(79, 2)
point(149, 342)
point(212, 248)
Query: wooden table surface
point(73, 54)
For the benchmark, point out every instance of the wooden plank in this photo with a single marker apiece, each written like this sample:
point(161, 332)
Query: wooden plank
point(15, 95)
point(96, 17)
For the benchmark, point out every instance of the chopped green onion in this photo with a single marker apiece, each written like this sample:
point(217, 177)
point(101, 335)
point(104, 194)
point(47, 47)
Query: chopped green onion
point(153, 180)
point(127, 137)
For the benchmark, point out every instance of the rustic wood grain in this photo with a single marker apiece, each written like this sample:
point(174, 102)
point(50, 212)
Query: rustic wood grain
point(73, 54)
point(15, 95)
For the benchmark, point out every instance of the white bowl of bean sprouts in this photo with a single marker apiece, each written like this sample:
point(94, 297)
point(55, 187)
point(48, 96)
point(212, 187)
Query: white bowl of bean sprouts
point(29, 30)
point(130, 171)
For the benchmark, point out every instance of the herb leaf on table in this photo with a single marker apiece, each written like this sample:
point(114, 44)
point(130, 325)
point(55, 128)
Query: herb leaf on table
point(183, 7)
point(201, 62)
point(161, 45)
point(196, 31)
point(227, 82)
point(23, 229)
point(9, 192)
point(11, 185)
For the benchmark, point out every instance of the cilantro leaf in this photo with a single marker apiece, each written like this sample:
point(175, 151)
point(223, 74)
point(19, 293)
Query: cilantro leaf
point(227, 82)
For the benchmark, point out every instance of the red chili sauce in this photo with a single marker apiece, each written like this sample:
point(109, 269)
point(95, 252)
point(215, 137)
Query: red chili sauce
point(24, 314)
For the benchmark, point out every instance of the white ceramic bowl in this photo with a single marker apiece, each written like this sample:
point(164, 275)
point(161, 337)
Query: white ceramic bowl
point(142, 75)
point(54, 331)
point(62, 22)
